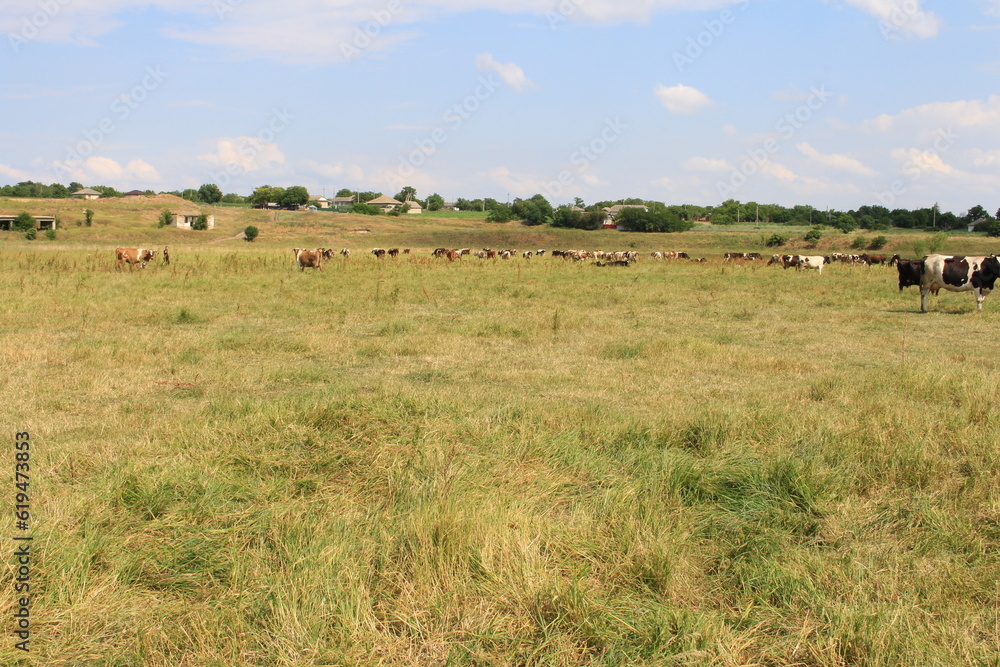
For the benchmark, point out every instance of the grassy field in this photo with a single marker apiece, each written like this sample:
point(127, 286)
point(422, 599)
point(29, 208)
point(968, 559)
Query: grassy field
point(538, 462)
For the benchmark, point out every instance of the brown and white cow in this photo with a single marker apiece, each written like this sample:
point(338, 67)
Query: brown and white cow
point(815, 262)
point(130, 256)
point(956, 274)
point(311, 258)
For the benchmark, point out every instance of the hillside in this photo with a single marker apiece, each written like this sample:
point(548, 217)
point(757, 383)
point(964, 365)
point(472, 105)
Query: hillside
point(133, 222)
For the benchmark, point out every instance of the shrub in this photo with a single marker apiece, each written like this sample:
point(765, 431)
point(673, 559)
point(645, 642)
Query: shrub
point(50, 234)
point(936, 242)
point(200, 223)
point(250, 233)
point(776, 240)
point(30, 234)
point(813, 236)
point(878, 243)
point(859, 242)
point(366, 209)
point(992, 228)
point(24, 222)
point(88, 216)
point(501, 213)
point(166, 218)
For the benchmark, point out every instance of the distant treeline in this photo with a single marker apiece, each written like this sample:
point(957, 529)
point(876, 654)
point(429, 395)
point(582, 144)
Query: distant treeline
point(538, 210)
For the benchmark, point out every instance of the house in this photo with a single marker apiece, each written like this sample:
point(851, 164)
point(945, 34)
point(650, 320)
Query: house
point(87, 193)
point(319, 201)
point(385, 203)
point(413, 208)
point(612, 211)
point(134, 193)
point(186, 220)
point(342, 202)
point(450, 206)
point(975, 223)
point(44, 222)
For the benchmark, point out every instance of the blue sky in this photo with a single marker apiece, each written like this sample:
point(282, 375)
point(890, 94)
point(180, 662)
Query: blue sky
point(833, 103)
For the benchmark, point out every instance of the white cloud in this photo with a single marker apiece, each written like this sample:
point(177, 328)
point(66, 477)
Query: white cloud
point(107, 171)
point(836, 161)
point(246, 153)
point(12, 173)
point(520, 185)
point(511, 74)
point(960, 113)
point(306, 31)
point(900, 16)
point(706, 164)
point(681, 99)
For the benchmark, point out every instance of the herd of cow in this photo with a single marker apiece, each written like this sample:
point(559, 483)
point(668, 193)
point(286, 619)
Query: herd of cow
point(932, 273)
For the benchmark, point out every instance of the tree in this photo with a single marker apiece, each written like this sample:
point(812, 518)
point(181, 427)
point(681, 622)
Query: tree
point(878, 243)
point(435, 202)
point(232, 198)
point(264, 195)
point(813, 236)
point(191, 195)
point(210, 193)
point(296, 195)
point(656, 219)
point(534, 211)
point(501, 213)
point(406, 194)
point(250, 233)
point(365, 209)
point(88, 215)
point(165, 219)
point(200, 223)
point(564, 216)
point(344, 192)
point(24, 222)
point(845, 223)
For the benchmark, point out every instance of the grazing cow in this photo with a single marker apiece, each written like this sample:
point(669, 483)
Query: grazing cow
point(683, 255)
point(452, 255)
point(730, 256)
point(911, 271)
point(464, 251)
point(873, 259)
point(814, 262)
point(130, 256)
point(327, 253)
point(310, 258)
point(406, 251)
point(346, 252)
point(958, 274)
point(540, 252)
point(393, 252)
point(775, 259)
point(754, 256)
point(789, 260)
point(656, 255)
point(439, 252)
point(378, 252)
point(526, 254)
point(700, 259)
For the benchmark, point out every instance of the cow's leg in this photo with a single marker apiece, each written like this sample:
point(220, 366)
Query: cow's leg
point(980, 297)
point(923, 299)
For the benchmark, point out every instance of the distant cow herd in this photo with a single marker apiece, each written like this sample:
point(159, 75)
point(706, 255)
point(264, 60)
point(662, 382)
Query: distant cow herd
point(932, 273)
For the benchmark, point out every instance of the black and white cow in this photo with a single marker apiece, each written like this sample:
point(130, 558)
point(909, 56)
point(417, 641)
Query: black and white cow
point(956, 274)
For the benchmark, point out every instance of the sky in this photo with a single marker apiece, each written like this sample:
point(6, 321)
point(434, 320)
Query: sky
point(831, 103)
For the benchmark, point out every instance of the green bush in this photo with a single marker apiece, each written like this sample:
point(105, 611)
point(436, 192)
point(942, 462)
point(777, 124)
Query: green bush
point(878, 243)
point(992, 228)
point(813, 236)
point(31, 234)
point(88, 216)
point(200, 223)
point(936, 242)
point(776, 240)
point(859, 242)
point(366, 209)
point(50, 234)
point(24, 222)
point(250, 233)
point(501, 213)
point(165, 219)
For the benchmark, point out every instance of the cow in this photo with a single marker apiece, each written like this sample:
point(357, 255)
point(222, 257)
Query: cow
point(452, 255)
point(327, 253)
point(957, 274)
point(393, 252)
point(346, 252)
point(789, 260)
point(526, 254)
point(730, 256)
point(406, 251)
point(439, 252)
point(815, 262)
point(911, 271)
point(130, 256)
point(873, 259)
point(310, 258)
point(754, 256)
point(378, 252)
point(540, 252)
point(775, 259)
